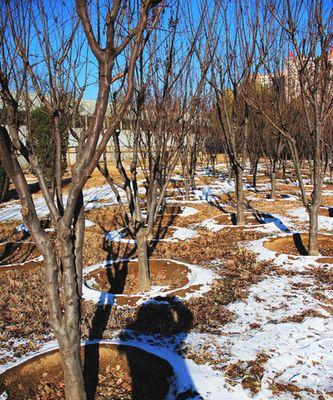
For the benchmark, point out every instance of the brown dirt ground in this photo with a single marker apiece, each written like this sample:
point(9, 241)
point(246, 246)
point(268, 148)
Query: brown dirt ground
point(122, 372)
point(326, 211)
point(272, 206)
point(23, 311)
point(95, 179)
point(122, 277)
point(286, 188)
point(325, 260)
point(327, 201)
point(296, 244)
point(230, 219)
point(22, 307)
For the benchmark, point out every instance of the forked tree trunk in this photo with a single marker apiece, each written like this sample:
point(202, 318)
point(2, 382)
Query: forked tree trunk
point(143, 262)
point(313, 248)
point(66, 328)
point(65, 317)
point(239, 195)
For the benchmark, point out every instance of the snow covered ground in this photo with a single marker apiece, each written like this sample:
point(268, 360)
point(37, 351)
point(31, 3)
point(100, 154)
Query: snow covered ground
point(282, 317)
point(95, 197)
point(324, 223)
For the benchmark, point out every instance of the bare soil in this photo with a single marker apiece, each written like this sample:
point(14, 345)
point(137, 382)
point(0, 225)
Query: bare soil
point(297, 244)
point(326, 211)
point(327, 201)
point(122, 277)
point(230, 219)
point(325, 260)
point(272, 206)
point(110, 371)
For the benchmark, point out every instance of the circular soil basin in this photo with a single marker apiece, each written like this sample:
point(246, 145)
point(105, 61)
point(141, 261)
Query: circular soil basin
point(183, 198)
point(121, 278)
point(326, 211)
point(230, 219)
point(297, 244)
point(325, 260)
point(17, 253)
point(110, 371)
point(182, 280)
point(327, 201)
point(267, 196)
point(328, 186)
point(171, 209)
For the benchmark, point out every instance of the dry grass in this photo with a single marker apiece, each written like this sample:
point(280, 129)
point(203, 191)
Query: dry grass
point(207, 246)
point(249, 373)
point(23, 307)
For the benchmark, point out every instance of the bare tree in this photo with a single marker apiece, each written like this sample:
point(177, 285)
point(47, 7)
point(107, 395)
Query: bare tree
point(302, 84)
point(271, 142)
point(161, 118)
point(233, 69)
point(19, 68)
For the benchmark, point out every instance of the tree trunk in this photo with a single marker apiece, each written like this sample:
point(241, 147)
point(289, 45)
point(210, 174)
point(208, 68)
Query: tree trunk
point(4, 184)
point(187, 189)
point(79, 230)
point(312, 178)
point(284, 167)
point(239, 195)
point(66, 326)
point(313, 249)
point(72, 367)
point(213, 164)
point(186, 178)
point(254, 174)
point(58, 162)
point(192, 179)
point(143, 262)
point(273, 186)
point(69, 337)
point(193, 166)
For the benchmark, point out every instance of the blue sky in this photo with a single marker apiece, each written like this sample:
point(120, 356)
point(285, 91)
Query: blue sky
point(63, 9)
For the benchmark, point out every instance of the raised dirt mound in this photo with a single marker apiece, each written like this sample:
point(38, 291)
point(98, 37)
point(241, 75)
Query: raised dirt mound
point(122, 277)
point(326, 211)
point(230, 219)
point(111, 371)
point(297, 244)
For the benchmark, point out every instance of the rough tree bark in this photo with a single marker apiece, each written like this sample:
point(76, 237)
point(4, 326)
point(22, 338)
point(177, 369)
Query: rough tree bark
point(63, 260)
point(143, 267)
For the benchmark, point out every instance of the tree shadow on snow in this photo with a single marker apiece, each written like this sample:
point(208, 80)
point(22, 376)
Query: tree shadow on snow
point(167, 318)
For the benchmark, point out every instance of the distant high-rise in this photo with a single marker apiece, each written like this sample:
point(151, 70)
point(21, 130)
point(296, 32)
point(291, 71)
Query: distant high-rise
point(291, 74)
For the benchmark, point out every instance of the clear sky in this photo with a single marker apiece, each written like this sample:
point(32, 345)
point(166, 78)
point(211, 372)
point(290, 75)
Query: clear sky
point(61, 15)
